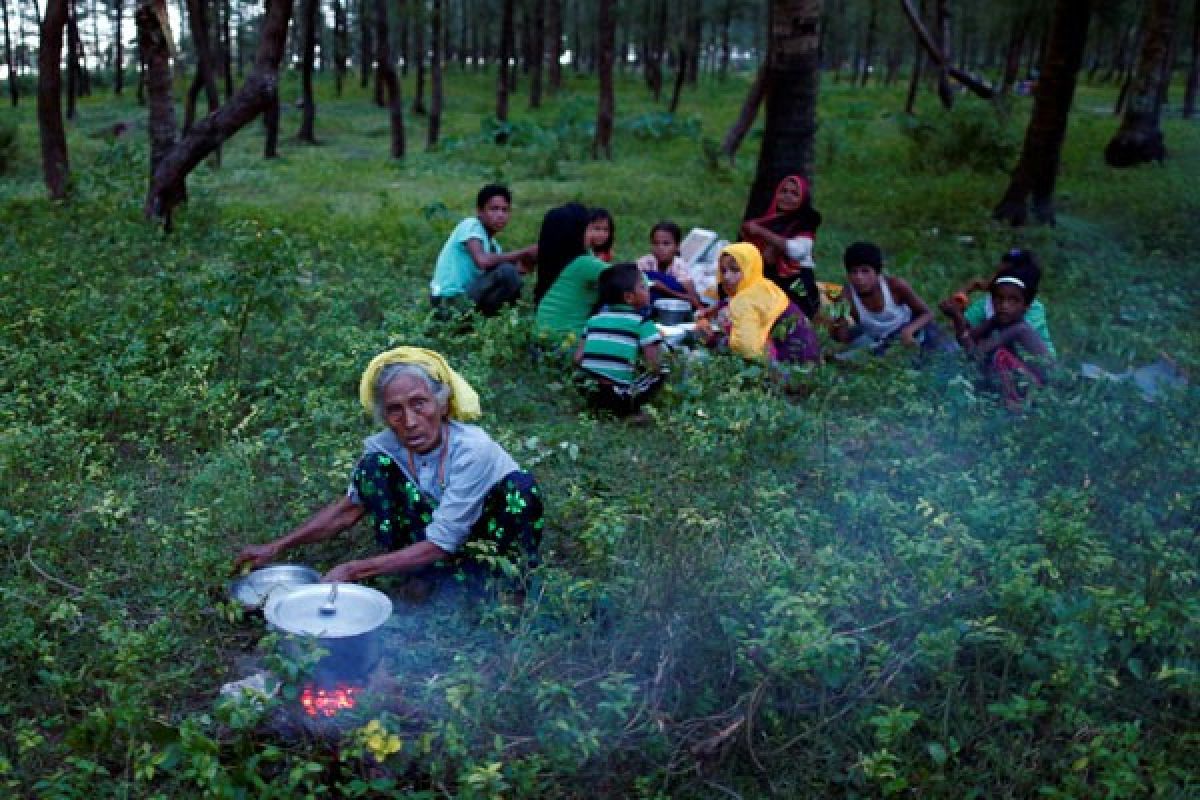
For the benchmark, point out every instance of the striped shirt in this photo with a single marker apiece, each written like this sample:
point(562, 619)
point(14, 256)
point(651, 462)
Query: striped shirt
point(612, 340)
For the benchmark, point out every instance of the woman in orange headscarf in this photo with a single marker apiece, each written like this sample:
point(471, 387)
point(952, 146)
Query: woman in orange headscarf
point(785, 236)
point(757, 320)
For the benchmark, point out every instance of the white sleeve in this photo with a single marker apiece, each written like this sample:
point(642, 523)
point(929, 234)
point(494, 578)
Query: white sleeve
point(799, 249)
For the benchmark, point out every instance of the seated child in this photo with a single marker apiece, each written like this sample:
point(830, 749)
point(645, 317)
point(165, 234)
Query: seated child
point(601, 231)
point(616, 340)
point(1006, 345)
point(669, 276)
point(756, 319)
point(965, 314)
point(471, 265)
point(883, 308)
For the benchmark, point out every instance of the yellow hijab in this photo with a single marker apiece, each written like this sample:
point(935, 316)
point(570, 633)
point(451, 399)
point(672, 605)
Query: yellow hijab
point(464, 402)
point(756, 303)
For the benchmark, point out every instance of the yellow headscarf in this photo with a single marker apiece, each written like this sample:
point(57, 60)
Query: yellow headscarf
point(464, 402)
point(756, 303)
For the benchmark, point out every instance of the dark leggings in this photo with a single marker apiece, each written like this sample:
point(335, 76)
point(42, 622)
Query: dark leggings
point(509, 527)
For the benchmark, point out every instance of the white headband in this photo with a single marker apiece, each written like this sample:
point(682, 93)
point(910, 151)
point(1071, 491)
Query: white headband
point(1010, 279)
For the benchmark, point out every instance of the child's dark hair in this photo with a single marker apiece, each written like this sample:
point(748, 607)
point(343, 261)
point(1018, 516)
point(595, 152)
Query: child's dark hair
point(490, 191)
point(616, 281)
point(1024, 275)
point(863, 254)
point(667, 226)
point(602, 213)
point(1020, 257)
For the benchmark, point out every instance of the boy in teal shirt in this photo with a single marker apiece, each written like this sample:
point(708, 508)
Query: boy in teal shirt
point(471, 264)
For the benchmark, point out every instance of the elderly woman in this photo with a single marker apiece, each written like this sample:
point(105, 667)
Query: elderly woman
point(438, 492)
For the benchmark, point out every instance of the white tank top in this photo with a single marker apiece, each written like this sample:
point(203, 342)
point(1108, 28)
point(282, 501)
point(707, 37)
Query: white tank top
point(882, 324)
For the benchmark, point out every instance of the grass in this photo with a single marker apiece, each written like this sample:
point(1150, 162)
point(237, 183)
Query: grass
point(890, 586)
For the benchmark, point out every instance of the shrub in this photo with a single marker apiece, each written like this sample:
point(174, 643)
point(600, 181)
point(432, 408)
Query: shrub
point(8, 143)
point(974, 137)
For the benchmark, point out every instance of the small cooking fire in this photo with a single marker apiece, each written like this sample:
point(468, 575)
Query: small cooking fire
point(320, 701)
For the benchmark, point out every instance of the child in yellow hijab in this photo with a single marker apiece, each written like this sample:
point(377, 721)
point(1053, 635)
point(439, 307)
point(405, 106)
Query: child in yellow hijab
point(756, 319)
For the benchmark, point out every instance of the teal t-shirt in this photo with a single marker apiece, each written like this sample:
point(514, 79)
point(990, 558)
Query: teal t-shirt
point(455, 269)
point(566, 306)
point(1035, 315)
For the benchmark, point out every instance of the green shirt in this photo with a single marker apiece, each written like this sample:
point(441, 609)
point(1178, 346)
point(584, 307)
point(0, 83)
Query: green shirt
point(565, 308)
point(1035, 315)
point(455, 269)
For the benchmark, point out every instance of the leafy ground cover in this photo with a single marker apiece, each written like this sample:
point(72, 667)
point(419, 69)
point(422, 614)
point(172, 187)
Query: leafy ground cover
point(888, 586)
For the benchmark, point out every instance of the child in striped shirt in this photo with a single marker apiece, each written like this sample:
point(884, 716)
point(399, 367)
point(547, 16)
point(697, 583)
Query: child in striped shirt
point(618, 357)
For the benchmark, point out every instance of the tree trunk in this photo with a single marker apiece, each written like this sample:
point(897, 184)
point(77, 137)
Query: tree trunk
point(914, 81)
point(606, 34)
point(154, 42)
point(869, 47)
point(978, 86)
point(13, 91)
point(727, 13)
point(257, 95)
point(554, 32)
point(205, 68)
point(72, 60)
point(341, 41)
point(656, 51)
point(435, 77)
point(364, 43)
point(537, 53)
point(118, 47)
point(944, 89)
point(308, 53)
point(506, 41)
point(387, 77)
point(55, 169)
point(1012, 56)
point(1036, 172)
point(680, 77)
point(418, 58)
point(227, 45)
point(793, 76)
point(1139, 138)
point(745, 120)
point(695, 32)
point(1193, 79)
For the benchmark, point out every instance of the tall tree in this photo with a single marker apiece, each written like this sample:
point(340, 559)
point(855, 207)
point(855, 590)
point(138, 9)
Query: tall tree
point(506, 48)
point(418, 56)
point(436, 56)
point(366, 54)
point(387, 77)
point(13, 91)
point(554, 34)
point(73, 59)
point(1193, 79)
point(341, 42)
point(792, 78)
point(537, 53)
point(154, 35)
point(55, 168)
point(256, 96)
point(606, 36)
point(1139, 138)
point(308, 53)
point(205, 67)
point(1036, 174)
point(868, 56)
point(118, 7)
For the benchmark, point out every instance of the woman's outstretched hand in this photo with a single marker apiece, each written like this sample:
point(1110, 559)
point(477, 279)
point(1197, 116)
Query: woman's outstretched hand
point(256, 555)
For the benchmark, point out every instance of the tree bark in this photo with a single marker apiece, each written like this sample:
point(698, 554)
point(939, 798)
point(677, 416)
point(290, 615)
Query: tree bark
point(606, 35)
point(656, 50)
point(55, 169)
point(745, 120)
point(367, 56)
point(869, 47)
point(418, 57)
point(1012, 55)
point(793, 77)
point(118, 47)
point(388, 80)
point(13, 92)
point(258, 93)
point(1139, 139)
point(1036, 173)
point(554, 32)
point(73, 47)
point(308, 53)
point(341, 41)
point(154, 42)
point(680, 76)
point(205, 68)
point(1193, 80)
point(227, 45)
point(435, 77)
point(914, 80)
point(506, 42)
point(976, 85)
point(537, 53)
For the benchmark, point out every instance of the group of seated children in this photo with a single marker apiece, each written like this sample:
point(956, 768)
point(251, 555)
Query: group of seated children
point(766, 295)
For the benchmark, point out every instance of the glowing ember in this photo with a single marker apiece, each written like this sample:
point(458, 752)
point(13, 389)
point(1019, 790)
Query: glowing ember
point(319, 702)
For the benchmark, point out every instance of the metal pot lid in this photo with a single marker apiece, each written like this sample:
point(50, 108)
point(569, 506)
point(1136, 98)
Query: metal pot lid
point(253, 588)
point(672, 304)
point(305, 610)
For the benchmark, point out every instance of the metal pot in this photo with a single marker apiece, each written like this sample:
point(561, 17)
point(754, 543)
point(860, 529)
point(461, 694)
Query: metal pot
point(254, 588)
point(346, 619)
point(672, 311)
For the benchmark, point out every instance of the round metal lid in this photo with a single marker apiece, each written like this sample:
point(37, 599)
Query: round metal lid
point(253, 588)
point(303, 610)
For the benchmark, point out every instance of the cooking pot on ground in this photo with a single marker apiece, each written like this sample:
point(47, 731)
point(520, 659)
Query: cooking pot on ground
point(346, 619)
point(254, 588)
point(672, 311)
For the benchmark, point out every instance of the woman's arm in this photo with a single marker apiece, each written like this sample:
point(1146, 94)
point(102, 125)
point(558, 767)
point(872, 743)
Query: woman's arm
point(407, 559)
point(921, 315)
point(324, 524)
point(752, 230)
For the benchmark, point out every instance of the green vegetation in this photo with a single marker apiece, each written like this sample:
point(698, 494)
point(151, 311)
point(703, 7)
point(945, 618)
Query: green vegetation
point(891, 586)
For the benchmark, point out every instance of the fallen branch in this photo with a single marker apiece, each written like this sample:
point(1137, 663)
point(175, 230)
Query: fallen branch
point(46, 575)
point(977, 85)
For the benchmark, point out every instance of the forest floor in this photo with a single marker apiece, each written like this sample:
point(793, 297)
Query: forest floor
point(888, 585)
